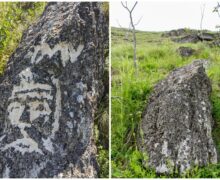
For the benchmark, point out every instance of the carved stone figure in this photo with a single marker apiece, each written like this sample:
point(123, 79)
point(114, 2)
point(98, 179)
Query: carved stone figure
point(49, 93)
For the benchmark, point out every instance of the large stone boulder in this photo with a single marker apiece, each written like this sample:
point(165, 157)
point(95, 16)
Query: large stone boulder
point(176, 128)
point(49, 94)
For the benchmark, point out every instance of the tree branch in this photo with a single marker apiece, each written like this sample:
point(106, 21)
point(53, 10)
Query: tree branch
point(118, 23)
point(134, 6)
point(125, 6)
point(138, 21)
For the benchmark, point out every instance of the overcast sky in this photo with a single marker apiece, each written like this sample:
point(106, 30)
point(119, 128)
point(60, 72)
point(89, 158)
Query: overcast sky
point(166, 15)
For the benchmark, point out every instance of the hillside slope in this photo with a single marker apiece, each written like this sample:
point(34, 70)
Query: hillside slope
point(157, 55)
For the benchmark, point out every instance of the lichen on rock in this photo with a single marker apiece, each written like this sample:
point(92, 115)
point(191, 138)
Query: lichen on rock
point(177, 122)
point(49, 94)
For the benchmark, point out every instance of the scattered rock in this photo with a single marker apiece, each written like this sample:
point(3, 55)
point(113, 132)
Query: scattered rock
point(196, 37)
point(176, 129)
point(186, 51)
point(49, 94)
point(192, 38)
point(206, 36)
point(177, 32)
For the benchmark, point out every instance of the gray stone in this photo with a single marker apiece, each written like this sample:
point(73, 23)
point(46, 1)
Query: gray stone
point(192, 38)
point(186, 51)
point(206, 36)
point(196, 37)
point(176, 128)
point(177, 32)
point(49, 94)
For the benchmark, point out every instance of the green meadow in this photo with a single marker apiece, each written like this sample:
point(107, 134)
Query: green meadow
point(157, 56)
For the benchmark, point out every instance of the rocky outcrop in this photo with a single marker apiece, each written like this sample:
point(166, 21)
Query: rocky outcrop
point(177, 32)
point(196, 37)
point(207, 36)
point(176, 128)
point(49, 94)
point(185, 51)
point(192, 38)
point(190, 35)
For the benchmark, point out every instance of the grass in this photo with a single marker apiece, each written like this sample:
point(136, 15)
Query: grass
point(15, 17)
point(157, 57)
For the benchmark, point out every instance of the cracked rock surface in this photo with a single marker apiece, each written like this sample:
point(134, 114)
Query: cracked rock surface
point(49, 94)
point(176, 127)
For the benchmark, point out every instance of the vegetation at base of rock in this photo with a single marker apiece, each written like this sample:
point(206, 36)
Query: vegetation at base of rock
point(157, 56)
point(102, 116)
point(15, 17)
point(102, 129)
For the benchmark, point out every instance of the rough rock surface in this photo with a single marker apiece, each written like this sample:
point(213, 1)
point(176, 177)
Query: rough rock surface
point(49, 94)
point(207, 36)
point(184, 32)
point(176, 129)
point(196, 37)
point(186, 51)
point(192, 38)
point(177, 32)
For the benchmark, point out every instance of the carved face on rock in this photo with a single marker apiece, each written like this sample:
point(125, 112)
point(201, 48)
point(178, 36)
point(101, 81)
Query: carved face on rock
point(31, 110)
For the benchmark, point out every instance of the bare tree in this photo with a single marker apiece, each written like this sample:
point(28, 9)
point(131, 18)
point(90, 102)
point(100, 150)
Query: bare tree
point(202, 16)
point(216, 9)
point(127, 32)
point(132, 24)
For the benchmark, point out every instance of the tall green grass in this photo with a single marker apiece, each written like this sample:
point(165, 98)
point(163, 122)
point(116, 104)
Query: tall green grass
point(157, 57)
point(15, 17)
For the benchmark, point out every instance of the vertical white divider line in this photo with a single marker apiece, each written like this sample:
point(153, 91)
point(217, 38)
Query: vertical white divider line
point(110, 107)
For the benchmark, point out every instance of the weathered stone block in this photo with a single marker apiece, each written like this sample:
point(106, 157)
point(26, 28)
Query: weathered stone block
point(49, 94)
point(177, 123)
